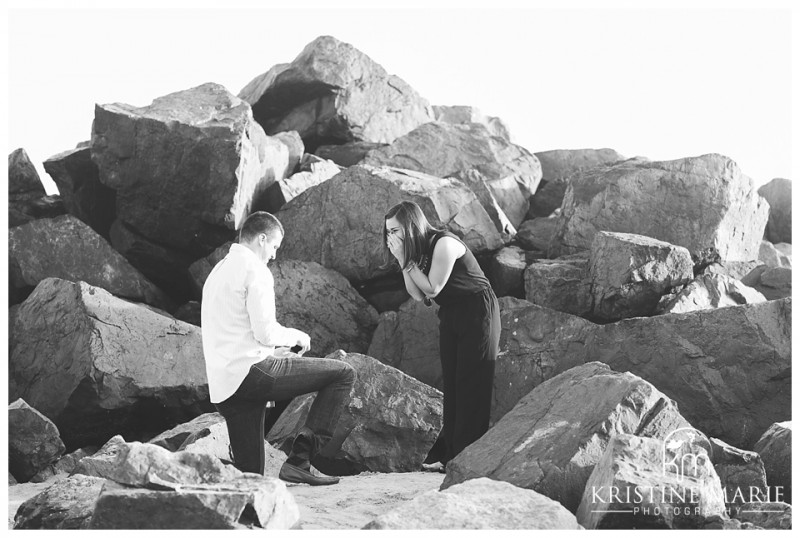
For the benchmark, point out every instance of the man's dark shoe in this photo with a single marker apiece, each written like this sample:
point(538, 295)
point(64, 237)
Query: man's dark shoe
point(295, 475)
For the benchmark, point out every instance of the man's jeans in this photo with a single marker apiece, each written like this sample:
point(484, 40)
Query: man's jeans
point(275, 379)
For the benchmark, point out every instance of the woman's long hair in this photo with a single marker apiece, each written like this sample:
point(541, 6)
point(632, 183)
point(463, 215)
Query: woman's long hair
point(416, 231)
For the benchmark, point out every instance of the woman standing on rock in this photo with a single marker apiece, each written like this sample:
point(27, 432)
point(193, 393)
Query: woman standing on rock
point(437, 265)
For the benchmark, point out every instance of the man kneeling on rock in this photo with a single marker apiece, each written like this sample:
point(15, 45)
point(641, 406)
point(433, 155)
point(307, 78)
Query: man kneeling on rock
point(248, 363)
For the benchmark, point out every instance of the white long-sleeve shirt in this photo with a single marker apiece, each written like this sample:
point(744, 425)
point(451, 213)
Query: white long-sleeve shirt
point(238, 320)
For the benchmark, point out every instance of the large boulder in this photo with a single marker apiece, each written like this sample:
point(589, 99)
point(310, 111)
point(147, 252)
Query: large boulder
point(208, 434)
point(630, 273)
point(187, 168)
point(767, 515)
point(550, 444)
point(562, 284)
point(151, 487)
point(778, 193)
point(535, 234)
point(536, 344)
point(478, 184)
point(712, 291)
point(478, 504)
point(389, 424)
point(248, 502)
point(558, 166)
point(667, 498)
point(334, 93)
point(772, 282)
point(24, 188)
point(339, 223)
point(67, 248)
point(441, 149)
point(733, 269)
point(775, 448)
point(459, 114)
point(107, 365)
point(33, 441)
point(322, 303)
point(78, 182)
point(771, 256)
point(408, 339)
point(67, 504)
point(741, 473)
point(702, 360)
point(700, 203)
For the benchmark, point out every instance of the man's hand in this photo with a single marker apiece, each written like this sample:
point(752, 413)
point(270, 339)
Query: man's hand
point(303, 342)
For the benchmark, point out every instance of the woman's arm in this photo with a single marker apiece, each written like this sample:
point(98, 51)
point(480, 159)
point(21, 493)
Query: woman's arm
point(412, 288)
point(445, 254)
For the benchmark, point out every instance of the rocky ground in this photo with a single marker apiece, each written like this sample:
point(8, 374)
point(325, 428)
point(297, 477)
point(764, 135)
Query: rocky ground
point(350, 504)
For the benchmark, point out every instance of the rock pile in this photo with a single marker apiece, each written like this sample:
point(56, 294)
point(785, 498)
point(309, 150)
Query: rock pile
point(639, 300)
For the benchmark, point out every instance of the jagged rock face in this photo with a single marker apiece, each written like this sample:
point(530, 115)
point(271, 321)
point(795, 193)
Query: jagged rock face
point(478, 504)
point(33, 441)
point(778, 193)
point(562, 284)
point(322, 303)
point(22, 175)
point(333, 93)
point(506, 272)
point(772, 282)
point(558, 166)
point(511, 172)
point(741, 472)
point(549, 444)
point(459, 114)
point(535, 234)
point(702, 359)
point(346, 155)
point(188, 167)
point(486, 196)
point(107, 365)
point(685, 499)
point(389, 425)
point(775, 449)
point(66, 248)
point(313, 171)
point(712, 291)
point(199, 270)
point(536, 343)
point(339, 223)
point(67, 504)
point(630, 273)
point(84, 196)
point(698, 203)
point(408, 340)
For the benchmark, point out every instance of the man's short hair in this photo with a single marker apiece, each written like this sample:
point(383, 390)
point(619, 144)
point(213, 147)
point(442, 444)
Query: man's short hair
point(258, 223)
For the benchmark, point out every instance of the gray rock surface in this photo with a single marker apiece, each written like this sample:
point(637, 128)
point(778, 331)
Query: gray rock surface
point(459, 114)
point(549, 444)
point(741, 473)
point(536, 343)
point(558, 166)
point(105, 365)
point(562, 284)
point(478, 504)
point(67, 248)
point(630, 273)
point(698, 202)
point(389, 425)
point(334, 93)
point(536, 233)
point(772, 282)
point(313, 171)
point(408, 340)
point(441, 149)
point(702, 359)
point(775, 449)
point(778, 193)
point(67, 504)
point(339, 223)
point(507, 272)
point(712, 291)
point(78, 182)
point(33, 441)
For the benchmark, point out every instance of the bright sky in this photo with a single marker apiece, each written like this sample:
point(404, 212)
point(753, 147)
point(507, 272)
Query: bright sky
point(660, 83)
